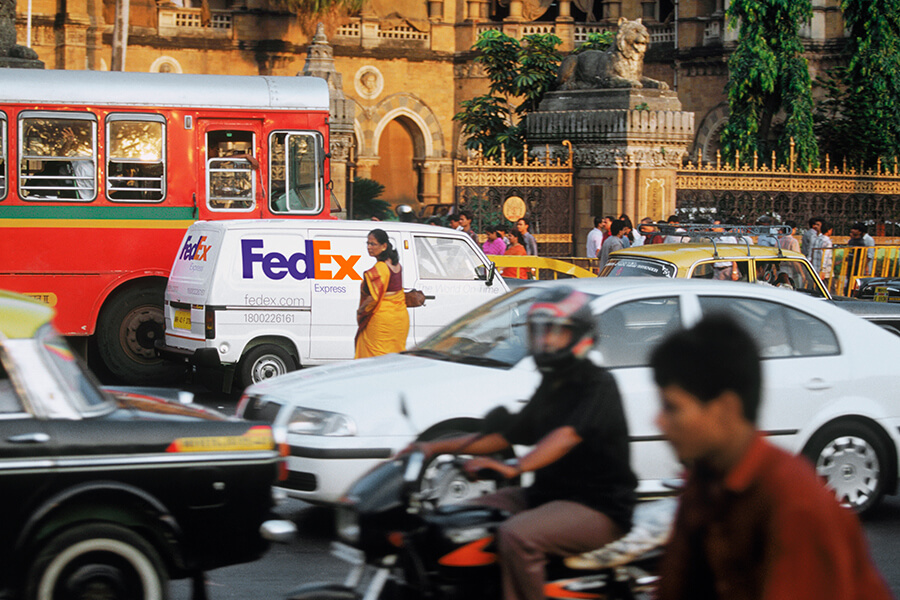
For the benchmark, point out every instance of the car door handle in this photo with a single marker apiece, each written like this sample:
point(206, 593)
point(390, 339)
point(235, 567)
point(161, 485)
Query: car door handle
point(817, 383)
point(29, 438)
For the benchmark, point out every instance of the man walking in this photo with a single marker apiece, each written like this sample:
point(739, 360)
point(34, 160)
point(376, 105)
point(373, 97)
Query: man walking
point(809, 236)
point(755, 523)
point(595, 237)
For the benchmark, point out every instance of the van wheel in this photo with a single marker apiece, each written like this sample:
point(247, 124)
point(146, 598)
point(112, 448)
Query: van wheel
point(127, 330)
point(265, 362)
point(98, 561)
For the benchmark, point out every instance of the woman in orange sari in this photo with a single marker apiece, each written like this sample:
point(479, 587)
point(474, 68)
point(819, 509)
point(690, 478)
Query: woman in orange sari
point(516, 248)
point(382, 317)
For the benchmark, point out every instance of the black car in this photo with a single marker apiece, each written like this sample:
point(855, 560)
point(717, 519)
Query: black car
point(110, 496)
point(882, 289)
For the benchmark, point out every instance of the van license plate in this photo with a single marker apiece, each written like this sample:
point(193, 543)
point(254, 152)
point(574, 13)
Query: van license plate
point(182, 319)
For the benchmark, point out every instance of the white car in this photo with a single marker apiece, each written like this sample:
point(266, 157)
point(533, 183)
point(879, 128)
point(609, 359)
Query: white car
point(830, 385)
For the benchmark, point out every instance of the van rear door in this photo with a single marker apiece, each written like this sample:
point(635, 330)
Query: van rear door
point(189, 286)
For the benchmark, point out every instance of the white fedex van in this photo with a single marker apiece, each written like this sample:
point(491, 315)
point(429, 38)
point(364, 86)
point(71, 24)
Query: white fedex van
point(270, 296)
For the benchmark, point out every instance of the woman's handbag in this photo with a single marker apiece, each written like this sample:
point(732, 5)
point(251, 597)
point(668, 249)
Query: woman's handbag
point(414, 298)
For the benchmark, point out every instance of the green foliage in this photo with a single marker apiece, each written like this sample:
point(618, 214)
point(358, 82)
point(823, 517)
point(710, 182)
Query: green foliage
point(485, 214)
point(601, 40)
point(365, 200)
point(521, 72)
point(768, 75)
point(860, 118)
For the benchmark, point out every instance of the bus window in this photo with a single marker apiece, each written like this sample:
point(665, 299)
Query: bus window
point(135, 162)
point(295, 179)
point(2, 156)
point(230, 182)
point(56, 156)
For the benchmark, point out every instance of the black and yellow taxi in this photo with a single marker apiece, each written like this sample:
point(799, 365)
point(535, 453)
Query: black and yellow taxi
point(723, 252)
point(110, 497)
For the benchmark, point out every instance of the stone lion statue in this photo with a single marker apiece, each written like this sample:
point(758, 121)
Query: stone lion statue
point(620, 66)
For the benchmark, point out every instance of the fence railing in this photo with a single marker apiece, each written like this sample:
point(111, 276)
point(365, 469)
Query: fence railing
point(540, 267)
point(850, 263)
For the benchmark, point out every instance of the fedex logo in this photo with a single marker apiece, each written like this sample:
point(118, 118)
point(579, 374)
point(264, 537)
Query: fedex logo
point(309, 264)
point(194, 251)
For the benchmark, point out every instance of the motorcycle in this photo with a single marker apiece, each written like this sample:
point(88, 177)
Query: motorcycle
point(402, 545)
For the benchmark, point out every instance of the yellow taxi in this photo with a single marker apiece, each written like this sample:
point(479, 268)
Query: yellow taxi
point(713, 254)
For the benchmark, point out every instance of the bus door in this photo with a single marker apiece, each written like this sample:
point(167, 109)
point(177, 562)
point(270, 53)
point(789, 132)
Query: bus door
point(231, 178)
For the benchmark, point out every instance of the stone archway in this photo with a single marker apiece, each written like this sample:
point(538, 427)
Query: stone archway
point(708, 133)
point(385, 121)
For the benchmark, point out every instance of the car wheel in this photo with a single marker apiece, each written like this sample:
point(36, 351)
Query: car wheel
point(446, 483)
point(97, 561)
point(265, 362)
point(128, 327)
point(852, 460)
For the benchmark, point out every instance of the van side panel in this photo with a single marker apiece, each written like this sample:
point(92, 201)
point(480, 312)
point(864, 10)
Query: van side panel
point(342, 260)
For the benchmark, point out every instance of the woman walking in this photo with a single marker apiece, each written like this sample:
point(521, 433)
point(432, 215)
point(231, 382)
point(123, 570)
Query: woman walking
point(516, 248)
point(381, 316)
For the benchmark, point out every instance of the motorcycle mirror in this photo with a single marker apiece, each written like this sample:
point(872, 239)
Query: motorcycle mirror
point(496, 420)
point(414, 464)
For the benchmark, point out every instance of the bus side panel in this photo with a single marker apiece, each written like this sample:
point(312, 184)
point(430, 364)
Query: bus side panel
point(74, 268)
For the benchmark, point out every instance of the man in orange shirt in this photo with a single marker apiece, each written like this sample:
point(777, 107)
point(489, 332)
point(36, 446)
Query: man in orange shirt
point(755, 522)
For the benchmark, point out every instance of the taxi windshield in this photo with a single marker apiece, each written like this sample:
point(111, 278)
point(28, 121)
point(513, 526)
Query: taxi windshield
point(84, 392)
point(637, 267)
point(493, 335)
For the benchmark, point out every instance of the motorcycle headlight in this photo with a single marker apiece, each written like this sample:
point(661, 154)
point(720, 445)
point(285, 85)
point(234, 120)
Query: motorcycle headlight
point(308, 421)
point(346, 522)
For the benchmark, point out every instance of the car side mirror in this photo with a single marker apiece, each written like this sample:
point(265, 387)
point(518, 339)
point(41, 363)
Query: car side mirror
point(486, 273)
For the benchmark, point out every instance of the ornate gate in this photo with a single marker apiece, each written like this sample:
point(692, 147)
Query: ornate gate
point(501, 192)
point(842, 196)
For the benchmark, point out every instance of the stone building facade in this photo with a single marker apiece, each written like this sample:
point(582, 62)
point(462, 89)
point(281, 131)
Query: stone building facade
point(405, 65)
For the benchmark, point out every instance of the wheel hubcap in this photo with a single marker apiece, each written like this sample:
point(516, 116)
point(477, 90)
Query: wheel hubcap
point(96, 582)
point(140, 330)
point(268, 367)
point(850, 466)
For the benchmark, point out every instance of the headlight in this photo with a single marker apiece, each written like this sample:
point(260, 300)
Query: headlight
point(346, 521)
point(308, 421)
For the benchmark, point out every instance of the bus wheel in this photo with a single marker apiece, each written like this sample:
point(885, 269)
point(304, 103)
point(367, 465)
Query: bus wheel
point(127, 330)
point(264, 362)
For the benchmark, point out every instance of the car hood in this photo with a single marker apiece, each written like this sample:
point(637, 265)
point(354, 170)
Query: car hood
point(376, 392)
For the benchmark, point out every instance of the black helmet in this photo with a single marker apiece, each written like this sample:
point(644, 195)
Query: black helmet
point(563, 309)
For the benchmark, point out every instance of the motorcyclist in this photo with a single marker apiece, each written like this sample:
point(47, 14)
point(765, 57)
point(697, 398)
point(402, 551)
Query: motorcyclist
point(583, 491)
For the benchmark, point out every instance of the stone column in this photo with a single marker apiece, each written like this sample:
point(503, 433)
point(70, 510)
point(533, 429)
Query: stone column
point(320, 63)
point(565, 26)
point(627, 143)
point(13, 55)
point(364, 166)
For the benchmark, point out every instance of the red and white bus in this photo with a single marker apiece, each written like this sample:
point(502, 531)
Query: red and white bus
point(101, 173)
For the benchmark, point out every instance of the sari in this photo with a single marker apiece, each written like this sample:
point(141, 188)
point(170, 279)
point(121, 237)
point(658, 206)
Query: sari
point(516, 272)
point(382, 316)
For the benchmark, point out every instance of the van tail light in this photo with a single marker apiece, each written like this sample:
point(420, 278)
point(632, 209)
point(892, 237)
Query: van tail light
point(285, 451)
point(210, 323)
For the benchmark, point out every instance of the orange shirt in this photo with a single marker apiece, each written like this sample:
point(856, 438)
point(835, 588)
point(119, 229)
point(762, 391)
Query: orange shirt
point(515, 272)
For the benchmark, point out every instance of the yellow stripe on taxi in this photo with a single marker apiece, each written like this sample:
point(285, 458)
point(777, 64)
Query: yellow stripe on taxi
point(256, 438)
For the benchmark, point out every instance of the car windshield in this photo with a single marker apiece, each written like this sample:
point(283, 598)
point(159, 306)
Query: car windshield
point(84, 391)
point(492, 335)
point(637, 267)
